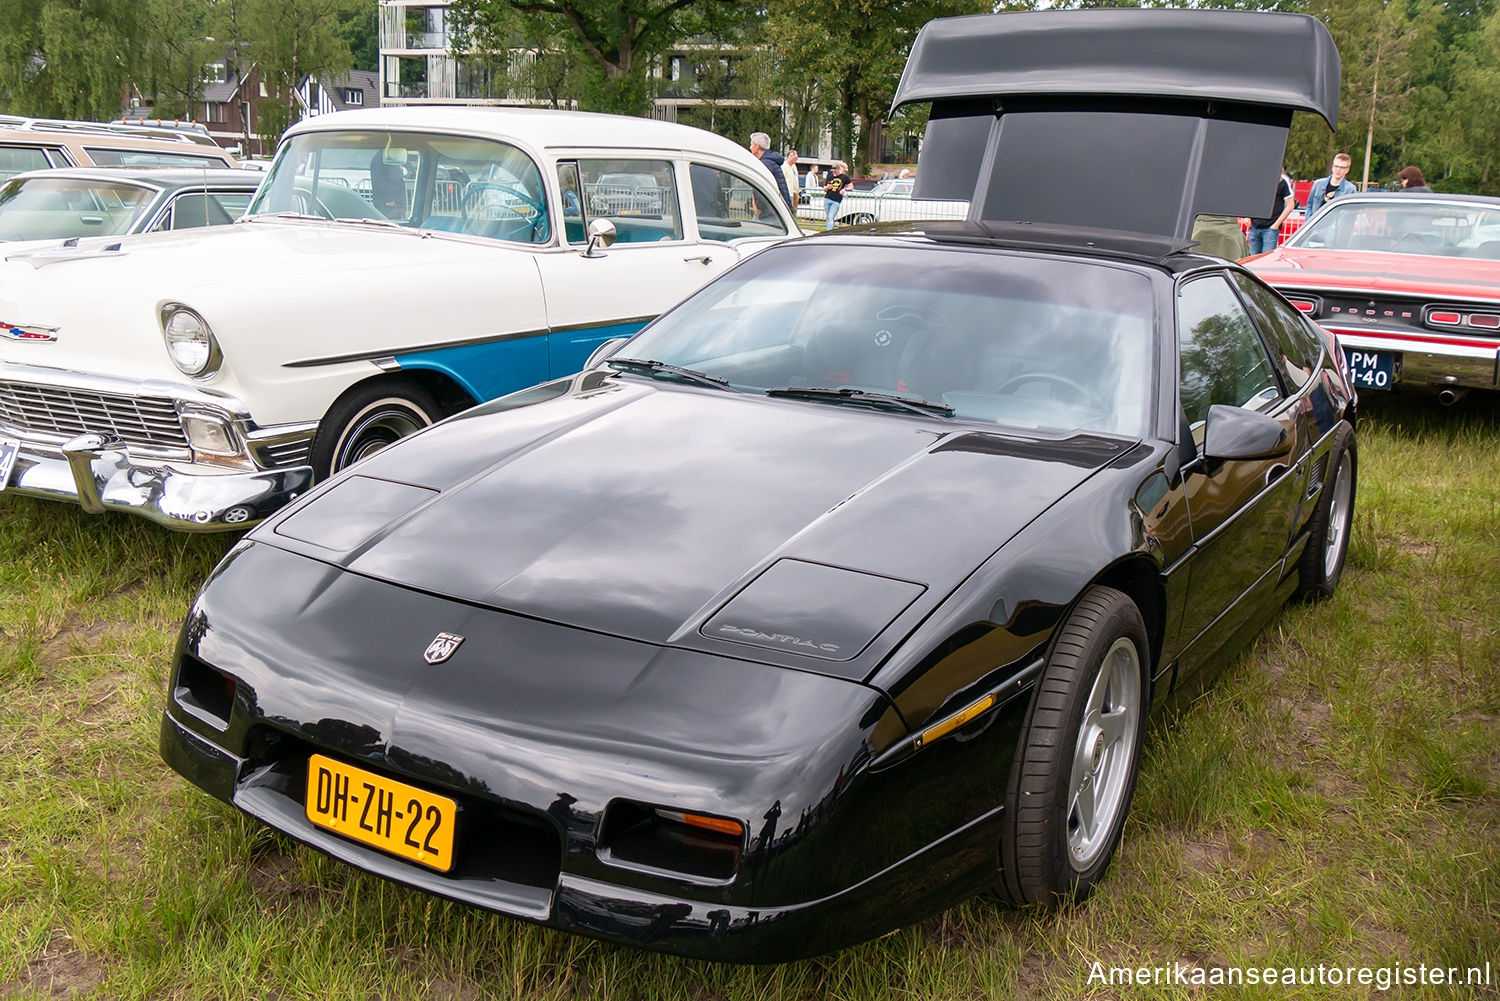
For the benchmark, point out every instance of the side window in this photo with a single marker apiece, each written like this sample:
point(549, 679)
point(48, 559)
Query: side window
point(195, 209)
point(638, 196)
point(575, 221)
point(730, 207)
point(1286, 331)
point(1222, 358)
point(14, 159)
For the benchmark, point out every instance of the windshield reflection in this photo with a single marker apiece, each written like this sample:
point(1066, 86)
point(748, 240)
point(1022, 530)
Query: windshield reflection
point(1024, 342)
point(456, 184)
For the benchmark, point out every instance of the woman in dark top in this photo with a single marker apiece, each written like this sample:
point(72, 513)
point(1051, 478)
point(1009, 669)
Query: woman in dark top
point(1412, 180)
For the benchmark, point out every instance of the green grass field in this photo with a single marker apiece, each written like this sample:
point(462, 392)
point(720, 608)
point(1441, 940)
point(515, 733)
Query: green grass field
point(1334, 800)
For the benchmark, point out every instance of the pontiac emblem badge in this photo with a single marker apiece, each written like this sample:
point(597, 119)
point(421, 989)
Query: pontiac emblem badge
point(442, 647)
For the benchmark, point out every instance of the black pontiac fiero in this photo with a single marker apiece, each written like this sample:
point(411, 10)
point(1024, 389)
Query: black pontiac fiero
point(841, 592)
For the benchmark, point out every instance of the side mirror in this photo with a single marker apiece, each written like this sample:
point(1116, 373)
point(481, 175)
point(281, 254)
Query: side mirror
point(1236, 433)
point(601, 237)
point(605, 349)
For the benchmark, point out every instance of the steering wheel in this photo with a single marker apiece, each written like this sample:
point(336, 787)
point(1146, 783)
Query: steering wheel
point(480, 187)
point(1081, 392)
point(1412, 241)
point(901, 312)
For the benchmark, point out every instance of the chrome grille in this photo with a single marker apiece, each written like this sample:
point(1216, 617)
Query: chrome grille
point(136, 420)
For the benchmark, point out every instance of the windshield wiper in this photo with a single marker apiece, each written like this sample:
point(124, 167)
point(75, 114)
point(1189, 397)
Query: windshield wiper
point(357, 221)
point(652, 367)
point(288, 214)
point(864, 397)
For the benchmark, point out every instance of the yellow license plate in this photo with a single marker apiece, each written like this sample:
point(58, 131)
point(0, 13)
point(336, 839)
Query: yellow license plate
point(381, 812)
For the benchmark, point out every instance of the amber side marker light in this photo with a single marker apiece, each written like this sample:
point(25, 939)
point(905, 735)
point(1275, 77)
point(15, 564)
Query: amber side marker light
point(958, 719)
point(717, 824)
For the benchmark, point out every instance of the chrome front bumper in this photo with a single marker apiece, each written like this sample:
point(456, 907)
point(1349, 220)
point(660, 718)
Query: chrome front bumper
point(110, 444)
point(98, 473)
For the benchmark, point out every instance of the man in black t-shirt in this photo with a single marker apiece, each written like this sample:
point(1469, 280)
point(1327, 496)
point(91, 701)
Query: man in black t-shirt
point(1265, 232)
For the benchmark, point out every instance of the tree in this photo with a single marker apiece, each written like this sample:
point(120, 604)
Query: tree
point(289, 40)
point(616, 41)
point(1465, 144)
point(69, 58)
point(359, 31)
point(1383, 47)
point(855, 52)
point(175, 54)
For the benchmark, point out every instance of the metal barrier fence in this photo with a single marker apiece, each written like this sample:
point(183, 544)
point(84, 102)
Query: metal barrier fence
point(858, 208)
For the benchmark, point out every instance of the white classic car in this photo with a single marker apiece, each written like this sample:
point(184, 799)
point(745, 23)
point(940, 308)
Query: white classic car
point(891, 201)
point(396, 266)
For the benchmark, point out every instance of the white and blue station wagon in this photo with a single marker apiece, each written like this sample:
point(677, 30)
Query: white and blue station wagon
point(396, 266)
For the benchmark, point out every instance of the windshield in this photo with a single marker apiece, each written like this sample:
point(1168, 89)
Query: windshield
point(1023, 342)
point(894, 187)
point(47, 208)
point(1405, 224)
point(454, 183)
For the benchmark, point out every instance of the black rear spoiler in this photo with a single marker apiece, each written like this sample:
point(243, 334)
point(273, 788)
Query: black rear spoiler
point(1125, 119)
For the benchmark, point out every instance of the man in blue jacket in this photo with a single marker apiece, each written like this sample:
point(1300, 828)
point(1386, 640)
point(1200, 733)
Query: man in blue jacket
point(1326, 189)
point(760, 147)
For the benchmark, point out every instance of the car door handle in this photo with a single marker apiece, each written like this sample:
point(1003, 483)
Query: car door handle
point(703, 259)
point(1276, 472)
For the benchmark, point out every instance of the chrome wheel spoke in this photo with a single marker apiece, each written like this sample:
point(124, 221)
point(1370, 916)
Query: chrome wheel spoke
point(1112, 725)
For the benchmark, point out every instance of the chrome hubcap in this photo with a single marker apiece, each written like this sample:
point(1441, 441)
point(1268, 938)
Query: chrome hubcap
point(374, 430)
point(1104, 754)
point(1338, 516)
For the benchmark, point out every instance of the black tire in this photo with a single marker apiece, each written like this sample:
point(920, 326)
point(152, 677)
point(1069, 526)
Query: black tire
point(366, 419)
point(1322, 562)
point(1069, 751)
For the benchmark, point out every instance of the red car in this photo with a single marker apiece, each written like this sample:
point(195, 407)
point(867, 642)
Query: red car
point(1409, 284)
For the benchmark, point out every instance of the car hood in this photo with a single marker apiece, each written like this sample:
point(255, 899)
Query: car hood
point(776, 528)
point(1414, 274)
point(115, 330)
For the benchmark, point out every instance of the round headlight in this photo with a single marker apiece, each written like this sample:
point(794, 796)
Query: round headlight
point(190, 343)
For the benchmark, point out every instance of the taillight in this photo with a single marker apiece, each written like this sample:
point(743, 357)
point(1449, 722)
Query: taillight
point(1447, 316)
point(1307, 306)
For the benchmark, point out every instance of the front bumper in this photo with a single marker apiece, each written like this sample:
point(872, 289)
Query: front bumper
point(99, 474)
point(110, 444)
point(956, 865)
